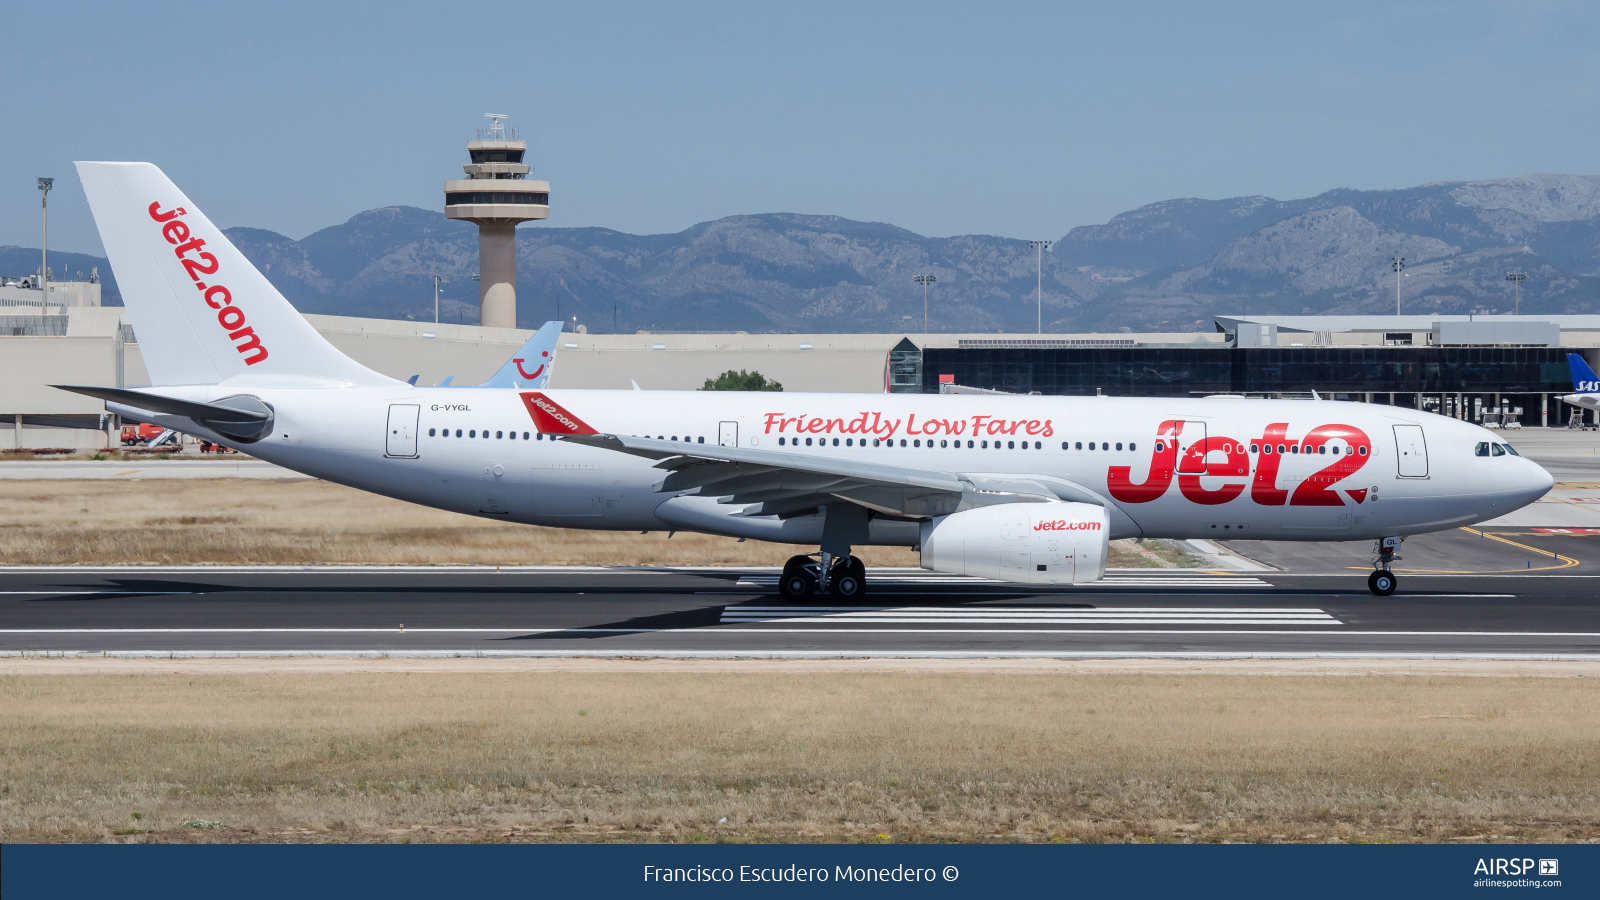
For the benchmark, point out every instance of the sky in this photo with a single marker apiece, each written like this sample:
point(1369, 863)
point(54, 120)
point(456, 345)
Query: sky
point(1016, 119)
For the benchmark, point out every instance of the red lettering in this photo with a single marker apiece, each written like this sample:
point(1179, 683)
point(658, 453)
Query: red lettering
point(213, 291)
point(911, 425)
point(163, 217)
point(186, 246)
point(1318, 489)
point(1264, 489)
point(1236, 463)
point(237, 318)
point(1048, 431)
point(253, 344)
point(833, 422)
point(959, 426)
point(1163, 459)
point(814, 426)
point(858, 426)
point(773, 418)
point(197, 267)
point(175, 232)
point(977, 423)
point(1033, 426)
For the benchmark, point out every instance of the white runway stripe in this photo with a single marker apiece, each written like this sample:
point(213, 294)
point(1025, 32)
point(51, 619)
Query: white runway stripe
point(933, 615)
point(1210, 581)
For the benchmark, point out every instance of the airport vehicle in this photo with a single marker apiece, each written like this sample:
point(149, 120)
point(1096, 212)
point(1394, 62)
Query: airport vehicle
point(1017, 488)
point(140, 433)
point(1585, 386)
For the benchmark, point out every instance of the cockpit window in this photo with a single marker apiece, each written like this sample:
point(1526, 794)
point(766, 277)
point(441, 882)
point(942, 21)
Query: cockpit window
point(1482, 449)
point(1512, 450)
point(1497, 449)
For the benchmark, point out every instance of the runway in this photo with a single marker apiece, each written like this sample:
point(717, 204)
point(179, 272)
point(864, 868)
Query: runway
point(736, 612)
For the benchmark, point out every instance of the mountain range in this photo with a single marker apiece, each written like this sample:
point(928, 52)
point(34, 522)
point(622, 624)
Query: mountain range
point(1168, 266)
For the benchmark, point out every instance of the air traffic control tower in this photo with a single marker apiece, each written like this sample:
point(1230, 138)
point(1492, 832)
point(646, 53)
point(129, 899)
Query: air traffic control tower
point(497, 195)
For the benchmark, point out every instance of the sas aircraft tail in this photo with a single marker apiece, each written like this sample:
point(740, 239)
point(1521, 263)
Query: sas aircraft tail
point(1584, 381)
point(202, 312)
point(530, 367)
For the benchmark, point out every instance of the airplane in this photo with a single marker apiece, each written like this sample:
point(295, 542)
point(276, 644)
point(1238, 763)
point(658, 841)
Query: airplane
point(1021, 489)
point(1585, 384)
point(539, 353)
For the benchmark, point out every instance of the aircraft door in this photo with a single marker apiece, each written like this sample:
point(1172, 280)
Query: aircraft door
point(401, 440)
point(1411, 451)
point(1191, 456)
point(728, 434)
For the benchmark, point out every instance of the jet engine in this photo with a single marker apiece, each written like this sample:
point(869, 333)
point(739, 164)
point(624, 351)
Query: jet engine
point(1026, 543)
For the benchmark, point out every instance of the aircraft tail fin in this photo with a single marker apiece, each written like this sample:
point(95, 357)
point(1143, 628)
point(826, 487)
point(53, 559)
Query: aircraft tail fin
point(530, 367)
point(1584, 381)
point(202, 312)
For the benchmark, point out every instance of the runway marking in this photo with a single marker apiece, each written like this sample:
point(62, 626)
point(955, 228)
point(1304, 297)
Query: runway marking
point(1211, 581)
point(933, 615)
point(645, 653)
point(149, 593)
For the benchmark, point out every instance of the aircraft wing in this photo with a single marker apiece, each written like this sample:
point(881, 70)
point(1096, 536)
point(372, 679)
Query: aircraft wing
point(529, 367)
point(779, 483)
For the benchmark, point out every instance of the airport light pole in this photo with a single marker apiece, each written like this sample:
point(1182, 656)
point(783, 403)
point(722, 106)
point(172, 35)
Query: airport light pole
point(1398, 264)
point(1040, 247)
point(1516, 279)
point(435, 299)
point(45, 184)
point(925, 280)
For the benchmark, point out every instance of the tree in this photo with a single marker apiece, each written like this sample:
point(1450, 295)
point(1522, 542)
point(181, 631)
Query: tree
point(741, 381)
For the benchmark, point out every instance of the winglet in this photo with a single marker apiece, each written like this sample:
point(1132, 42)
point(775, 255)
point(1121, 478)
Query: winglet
point(550, 418)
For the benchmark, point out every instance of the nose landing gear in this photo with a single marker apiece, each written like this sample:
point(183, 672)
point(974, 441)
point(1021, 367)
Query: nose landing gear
point(1383, 582)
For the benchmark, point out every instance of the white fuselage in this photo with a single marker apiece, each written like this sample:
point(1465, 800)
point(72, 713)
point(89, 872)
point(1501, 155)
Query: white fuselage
point(1364, 471)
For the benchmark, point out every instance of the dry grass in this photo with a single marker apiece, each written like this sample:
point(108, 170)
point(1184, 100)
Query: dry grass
point(237, 521)
point(653, 755)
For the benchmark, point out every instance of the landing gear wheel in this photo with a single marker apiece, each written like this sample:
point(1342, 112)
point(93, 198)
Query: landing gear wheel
point(797, 583)
point(1382, 583)
point(850, 581)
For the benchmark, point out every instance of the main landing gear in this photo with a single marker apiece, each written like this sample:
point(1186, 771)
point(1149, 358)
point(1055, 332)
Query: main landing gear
point(1382, 581)
point(844, 577)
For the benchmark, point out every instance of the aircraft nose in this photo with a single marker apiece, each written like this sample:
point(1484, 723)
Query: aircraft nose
point(1540, 481)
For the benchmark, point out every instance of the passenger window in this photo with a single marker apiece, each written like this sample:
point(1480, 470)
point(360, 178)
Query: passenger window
point(1335, 451)
point(1497, 450)
point(969, 445)
point(1063, 445)
point(472, 433)
point(1132, 447)
point(1255, 448)
point(836, 442)
point(1323, 449)
point(902, 442)
point(430, 432)
point(1363, 451)
point(1294, 448)
point(702, 440)
point(499, 435)
point(1080, 445)
point(1119, 446)
point(1011, 445)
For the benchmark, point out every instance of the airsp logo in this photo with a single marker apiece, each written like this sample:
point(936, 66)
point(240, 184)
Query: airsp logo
point(1501, 866)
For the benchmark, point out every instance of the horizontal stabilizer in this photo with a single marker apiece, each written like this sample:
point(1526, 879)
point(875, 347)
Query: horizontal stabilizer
point(171, 406)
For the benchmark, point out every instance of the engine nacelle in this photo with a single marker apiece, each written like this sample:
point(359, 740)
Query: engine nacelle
point(1025, 543)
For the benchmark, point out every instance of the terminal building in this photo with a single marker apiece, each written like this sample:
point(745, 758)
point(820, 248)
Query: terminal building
point(1486, 369)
